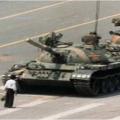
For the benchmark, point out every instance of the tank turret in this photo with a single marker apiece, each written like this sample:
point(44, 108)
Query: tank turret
point(55, 56)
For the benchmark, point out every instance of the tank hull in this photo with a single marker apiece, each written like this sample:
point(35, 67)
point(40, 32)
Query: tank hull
point(89, 79)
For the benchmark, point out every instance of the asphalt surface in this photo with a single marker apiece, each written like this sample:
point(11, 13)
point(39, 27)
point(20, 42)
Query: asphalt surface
point(20, 20)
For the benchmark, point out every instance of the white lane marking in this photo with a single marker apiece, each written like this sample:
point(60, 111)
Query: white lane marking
point(115, 118)
point(20, 107)
point(31, 11)
point(21, 41)
point(86, 23)
point(70, 112)
point(59, 30)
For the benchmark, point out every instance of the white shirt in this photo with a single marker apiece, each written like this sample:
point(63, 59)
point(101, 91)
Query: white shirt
point(10, 84)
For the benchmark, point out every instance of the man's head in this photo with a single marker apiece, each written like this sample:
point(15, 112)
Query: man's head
point(13, 76)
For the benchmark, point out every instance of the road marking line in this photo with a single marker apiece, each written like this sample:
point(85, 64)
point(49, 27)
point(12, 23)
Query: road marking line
point(21, 41)
point(20, 107)
point(70, 112)
point(59, 30)
point(31, 11)
point(86, 23)
point(8, 111)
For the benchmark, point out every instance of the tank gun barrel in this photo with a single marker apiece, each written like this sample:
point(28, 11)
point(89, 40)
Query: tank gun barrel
point(42, 46)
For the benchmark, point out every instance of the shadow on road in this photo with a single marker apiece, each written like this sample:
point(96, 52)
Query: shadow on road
point(51, 90)
point(68, 91)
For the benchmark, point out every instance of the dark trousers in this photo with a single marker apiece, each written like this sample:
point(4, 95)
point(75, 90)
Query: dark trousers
point(9, 98)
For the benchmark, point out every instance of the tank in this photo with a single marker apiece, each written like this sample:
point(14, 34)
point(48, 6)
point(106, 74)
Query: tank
point(87, 67)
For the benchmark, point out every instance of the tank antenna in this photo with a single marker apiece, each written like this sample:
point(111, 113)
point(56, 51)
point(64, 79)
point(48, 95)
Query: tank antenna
point(97, 15)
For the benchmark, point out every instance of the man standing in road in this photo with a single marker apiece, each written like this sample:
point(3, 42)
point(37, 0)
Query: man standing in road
point(10, 88)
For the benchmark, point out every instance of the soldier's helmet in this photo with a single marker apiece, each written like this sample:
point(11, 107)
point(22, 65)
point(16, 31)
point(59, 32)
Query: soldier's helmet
point(116, 21)
point(91, 39)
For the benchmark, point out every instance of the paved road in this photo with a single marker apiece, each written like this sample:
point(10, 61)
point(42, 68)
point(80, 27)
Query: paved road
point(19, 20)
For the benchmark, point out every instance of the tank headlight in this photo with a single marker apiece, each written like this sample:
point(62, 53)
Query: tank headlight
point(79, 76)
point(9, 75)
point(87, 76)
point(3, 75)
point(84, 76)
point(74, 75)
point(82, 67)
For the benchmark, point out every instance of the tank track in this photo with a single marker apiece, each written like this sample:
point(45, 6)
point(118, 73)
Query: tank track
point(104, 82)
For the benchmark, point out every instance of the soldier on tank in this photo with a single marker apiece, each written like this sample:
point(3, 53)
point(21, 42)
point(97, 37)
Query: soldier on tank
point(91, 40)
point(92, 48)
point(51, 39)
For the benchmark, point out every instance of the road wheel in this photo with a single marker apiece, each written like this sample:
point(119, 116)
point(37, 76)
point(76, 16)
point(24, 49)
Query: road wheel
point(111, 85)
point(119, 83)
point(21, 87)
point(104, 86)
point(95, 87)
point(116, 82)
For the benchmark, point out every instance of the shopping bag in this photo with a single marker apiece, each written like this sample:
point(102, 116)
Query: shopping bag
point(3, 98)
